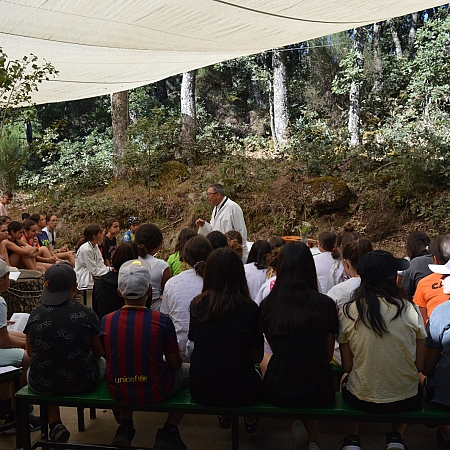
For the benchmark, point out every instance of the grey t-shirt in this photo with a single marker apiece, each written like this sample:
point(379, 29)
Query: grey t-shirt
point(416, 271)
point(438, 329)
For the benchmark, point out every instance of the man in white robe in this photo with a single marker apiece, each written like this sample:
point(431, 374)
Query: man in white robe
point(226, 216)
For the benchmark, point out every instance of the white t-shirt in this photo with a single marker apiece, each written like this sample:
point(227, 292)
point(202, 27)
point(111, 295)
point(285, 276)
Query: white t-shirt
point(179, 292)
point(255, 279)
point(3, 211)
point(336, 275)
point(341, 294)
point(383, 367)
point(265, 289)
point(157, 268)
point(262, 294)
point(51, 238)
point(88, 264)
point(323, 262)
point(3, 312)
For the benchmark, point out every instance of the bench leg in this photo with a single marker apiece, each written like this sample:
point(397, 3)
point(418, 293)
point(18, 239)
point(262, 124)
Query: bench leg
point(80, 415)
point(44, 421)
point(235, 432)
point(23, 438)
point(19, 431)
point(92, 413)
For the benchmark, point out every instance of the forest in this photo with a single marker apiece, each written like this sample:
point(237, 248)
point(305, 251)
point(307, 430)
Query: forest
point(369, 106)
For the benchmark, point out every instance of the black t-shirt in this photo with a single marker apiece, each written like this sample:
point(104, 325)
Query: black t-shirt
point(109, 247)
point(299, 372)
point(60, 337)
point(222, 371)
point(105, 298)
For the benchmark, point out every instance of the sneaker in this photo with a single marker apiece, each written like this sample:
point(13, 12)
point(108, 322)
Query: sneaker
point(313, 446)
point(35, 423)
point(442, 442)
point(251, 427)
point(224, 422)
point(394, 441)
point(351, 442)
point(300, 435)
point(59, 433)
point(124, 436)
point(168, 440)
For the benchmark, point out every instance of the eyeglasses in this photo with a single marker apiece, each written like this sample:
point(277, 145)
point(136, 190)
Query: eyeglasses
point(211, 193)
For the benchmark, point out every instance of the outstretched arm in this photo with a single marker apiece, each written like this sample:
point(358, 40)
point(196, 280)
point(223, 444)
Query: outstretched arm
point(204, 227)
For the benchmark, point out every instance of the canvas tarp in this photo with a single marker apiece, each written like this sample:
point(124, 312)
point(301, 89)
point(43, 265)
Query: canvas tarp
point(105, 46)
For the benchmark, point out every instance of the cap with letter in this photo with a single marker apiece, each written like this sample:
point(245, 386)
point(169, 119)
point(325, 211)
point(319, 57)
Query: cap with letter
point(134, 279)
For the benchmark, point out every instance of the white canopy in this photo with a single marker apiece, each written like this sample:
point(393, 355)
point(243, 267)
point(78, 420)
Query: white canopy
point(105, 46)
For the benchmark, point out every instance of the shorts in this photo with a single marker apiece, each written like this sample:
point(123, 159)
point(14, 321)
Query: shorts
point(11, 357)
point(381, 408)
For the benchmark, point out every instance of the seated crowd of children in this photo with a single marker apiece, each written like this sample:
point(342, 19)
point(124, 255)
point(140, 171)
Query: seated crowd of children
point(233, 332)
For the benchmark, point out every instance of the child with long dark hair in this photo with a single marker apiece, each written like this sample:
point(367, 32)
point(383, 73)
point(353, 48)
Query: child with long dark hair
point(181, 289)
point(224, 326)
point(89, 263)
point(376, 319)
point(324, 260)
point(21, 255)
point(300, 325)
point(344, 236)
point(175, 259)
point(112, 229)
point(342, 292)
point(256, 267)
point(417, 244)
point(105, 298)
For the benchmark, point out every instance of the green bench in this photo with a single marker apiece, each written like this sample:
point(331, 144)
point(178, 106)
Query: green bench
point(181, 402)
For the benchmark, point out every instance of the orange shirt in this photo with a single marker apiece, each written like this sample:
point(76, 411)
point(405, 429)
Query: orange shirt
point(429, 293)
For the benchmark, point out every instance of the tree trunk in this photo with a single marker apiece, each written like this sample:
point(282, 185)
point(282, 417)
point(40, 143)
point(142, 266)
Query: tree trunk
point(354, 112)
point(378, 60)
point(188, 113)
point(120, 121)
point(396, 39)
point(412, 34)
point(256, 91)
point(280, 120)
point(161, 91)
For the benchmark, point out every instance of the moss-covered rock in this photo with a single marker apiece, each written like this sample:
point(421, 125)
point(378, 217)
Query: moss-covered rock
point(326, 193)
point(173, 171)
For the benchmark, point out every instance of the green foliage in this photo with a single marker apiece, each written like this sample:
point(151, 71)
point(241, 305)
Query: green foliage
point(18, 80)
point(430, 70)
point(153, 141)
point(13, 155)
point(348, 74)
point(435, 210)
point(74, 119)
point(163, 94)
point(315, 145)
point(72, 167)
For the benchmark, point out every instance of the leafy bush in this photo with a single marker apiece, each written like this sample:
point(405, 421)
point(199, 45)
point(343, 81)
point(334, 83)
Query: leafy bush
point(316, 145)
point(72, 167)
point(13, 155)
point(153, 141)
